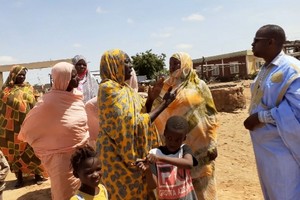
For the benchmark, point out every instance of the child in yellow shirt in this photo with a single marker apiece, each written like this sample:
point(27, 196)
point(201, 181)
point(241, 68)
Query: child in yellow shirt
point(86, 167)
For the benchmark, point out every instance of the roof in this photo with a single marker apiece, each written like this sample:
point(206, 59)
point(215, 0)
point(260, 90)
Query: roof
point(223, 56)
point(35, 65)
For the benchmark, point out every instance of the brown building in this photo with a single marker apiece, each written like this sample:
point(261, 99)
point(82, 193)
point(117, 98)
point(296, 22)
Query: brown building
point(292, 48)
point(227, 67)
point(241, 64)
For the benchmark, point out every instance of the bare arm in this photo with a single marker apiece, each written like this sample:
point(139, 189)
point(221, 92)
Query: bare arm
point(186, 162)
point(153, 93)
point(150, 177)
point(168, 98)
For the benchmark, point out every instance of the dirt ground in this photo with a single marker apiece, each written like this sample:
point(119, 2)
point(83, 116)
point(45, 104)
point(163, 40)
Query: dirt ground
point(235, 166)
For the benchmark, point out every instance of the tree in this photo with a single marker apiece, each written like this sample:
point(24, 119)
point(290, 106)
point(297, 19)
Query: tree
point(149, 64)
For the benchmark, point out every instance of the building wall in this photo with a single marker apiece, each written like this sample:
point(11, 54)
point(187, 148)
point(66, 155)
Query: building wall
point(248, 65)
point(224, 68)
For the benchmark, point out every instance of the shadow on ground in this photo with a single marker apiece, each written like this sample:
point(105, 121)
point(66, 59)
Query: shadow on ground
point(42, 194)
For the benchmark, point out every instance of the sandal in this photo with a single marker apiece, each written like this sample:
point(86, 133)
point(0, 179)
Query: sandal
point(39, 179)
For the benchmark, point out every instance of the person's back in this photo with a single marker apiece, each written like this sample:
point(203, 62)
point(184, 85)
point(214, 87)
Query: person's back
point(61, 127)
point(91, 108)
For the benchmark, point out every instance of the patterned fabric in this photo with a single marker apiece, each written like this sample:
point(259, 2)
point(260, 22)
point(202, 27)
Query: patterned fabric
point(193, 101)
point(125, 133)
point(15, 102)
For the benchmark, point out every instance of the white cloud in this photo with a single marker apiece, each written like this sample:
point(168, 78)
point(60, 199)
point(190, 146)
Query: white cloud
point(100, 10)
point(7, 60)
point(130, 21)
point(184, 46)
point(193, 17)
point(77, 45)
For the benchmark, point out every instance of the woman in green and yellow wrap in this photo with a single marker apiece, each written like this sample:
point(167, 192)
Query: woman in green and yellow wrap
point(194, 102)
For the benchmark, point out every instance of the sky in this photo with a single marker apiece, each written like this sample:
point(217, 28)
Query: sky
point(42, 30)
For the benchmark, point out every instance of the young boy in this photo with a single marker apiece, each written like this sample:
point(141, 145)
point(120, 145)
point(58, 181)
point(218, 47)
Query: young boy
point(86, 166)
point(4, 168)
point(170, 165)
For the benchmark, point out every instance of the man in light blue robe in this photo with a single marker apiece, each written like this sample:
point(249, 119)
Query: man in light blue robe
point(274, 120)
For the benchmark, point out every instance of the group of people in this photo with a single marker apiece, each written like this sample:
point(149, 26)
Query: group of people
point(121, 145)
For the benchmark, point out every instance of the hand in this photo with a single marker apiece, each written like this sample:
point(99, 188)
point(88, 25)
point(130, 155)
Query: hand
point(212, 154)
point(142, 164)
point(169, 97)
point(152, 158)
point(153, 92)
point(251, 122)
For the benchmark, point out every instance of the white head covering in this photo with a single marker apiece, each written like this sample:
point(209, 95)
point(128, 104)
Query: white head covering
point(77, 58)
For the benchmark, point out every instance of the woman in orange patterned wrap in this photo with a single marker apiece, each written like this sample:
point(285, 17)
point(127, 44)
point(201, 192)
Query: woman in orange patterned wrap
point(16, 100)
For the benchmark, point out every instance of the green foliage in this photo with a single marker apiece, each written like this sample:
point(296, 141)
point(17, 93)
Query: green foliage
point(149, 64)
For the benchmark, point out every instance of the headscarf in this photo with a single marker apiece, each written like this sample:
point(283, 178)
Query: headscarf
point(185, 73)
point(112, 66)
point(61, 75)
point(75, 60)
point(14, 72)
point(186, 77)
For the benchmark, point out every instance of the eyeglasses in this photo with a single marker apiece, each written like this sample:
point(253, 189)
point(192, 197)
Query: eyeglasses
point(256, 39)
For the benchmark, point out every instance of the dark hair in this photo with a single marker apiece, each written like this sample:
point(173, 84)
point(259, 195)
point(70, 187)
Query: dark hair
point(80, 155)
point(177, 123)
point(276, 32)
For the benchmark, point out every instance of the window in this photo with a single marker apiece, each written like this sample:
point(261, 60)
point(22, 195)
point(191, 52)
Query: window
point(215, 70)
point(234, 67)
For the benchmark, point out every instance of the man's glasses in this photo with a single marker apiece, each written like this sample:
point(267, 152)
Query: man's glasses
point(256, 39)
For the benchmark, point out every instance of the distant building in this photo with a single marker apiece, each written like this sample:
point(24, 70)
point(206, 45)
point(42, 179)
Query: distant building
point(226, 67)
point(241, 64)
point(292, 48)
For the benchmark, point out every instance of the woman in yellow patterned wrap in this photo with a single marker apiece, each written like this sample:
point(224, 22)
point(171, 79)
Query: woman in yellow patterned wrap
point(194, 102)
point(125, 132)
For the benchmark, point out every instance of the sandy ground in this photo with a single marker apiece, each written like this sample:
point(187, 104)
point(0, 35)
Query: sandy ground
point(235, 167)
